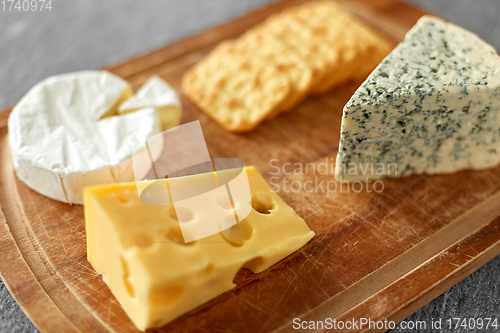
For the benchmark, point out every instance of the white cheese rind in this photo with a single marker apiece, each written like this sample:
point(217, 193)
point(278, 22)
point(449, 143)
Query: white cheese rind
point(158, 94)
point(432, 106)
point(60, 141)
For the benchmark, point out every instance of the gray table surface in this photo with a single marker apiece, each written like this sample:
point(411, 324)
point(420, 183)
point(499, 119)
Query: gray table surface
point(77, 35)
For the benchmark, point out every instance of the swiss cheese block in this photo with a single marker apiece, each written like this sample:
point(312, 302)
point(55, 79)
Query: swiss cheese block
point(156, 93)
point(64, 134)
point(156, 276)
point(432, 106)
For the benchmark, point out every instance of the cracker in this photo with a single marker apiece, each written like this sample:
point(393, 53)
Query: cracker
point(362, 50)
point(343, 30)
point(280, 55)
point(272, 67)
point(375, 49)
point(307, 36)
point(382, 49)
point(237, 90)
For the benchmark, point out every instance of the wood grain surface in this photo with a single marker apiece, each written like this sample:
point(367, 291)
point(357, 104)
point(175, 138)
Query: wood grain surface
point(375, 255)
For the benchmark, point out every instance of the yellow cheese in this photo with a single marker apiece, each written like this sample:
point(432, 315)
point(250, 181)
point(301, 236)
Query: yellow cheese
point(156, 277)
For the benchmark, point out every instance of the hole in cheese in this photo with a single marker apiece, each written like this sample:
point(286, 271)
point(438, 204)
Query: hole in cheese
point(224, 201)
point(124, 197)
point(126, 278)
point(141, 240)
point(175, 234)
point(247, 271)
point(165, 295)
point(181, 214)
point(242, 276)
point(262, 203)
point(238, 233)
point(254, 264)
point(203, 274)
point(172, 213)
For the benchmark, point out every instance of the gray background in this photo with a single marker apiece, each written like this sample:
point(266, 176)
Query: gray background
point(91, 34)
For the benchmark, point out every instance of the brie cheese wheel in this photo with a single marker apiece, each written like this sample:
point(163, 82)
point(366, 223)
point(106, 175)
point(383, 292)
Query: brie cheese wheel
point(158, 94)
point(65, 134)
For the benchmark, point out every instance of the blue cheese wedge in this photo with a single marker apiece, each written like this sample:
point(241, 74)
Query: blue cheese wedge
point(432, 106)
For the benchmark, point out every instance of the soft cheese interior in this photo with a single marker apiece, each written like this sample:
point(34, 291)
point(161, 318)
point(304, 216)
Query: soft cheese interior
point(432, 106)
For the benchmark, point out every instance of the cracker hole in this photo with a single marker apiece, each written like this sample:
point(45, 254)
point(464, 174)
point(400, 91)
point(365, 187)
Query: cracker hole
point(492, 151)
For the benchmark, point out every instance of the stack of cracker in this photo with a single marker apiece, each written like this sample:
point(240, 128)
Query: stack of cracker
point(268, 70)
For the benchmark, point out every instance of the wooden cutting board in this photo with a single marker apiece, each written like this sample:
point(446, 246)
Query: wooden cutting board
point(375, 255)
